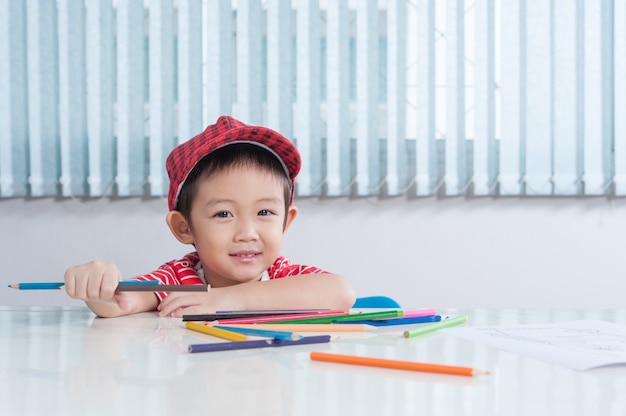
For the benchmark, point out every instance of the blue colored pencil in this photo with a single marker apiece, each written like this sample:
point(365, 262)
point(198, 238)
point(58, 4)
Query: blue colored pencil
point(398, 321)
point(262, 332)
point(37, 285)
point(317, 339)
point(262, 343)
point(59, 285)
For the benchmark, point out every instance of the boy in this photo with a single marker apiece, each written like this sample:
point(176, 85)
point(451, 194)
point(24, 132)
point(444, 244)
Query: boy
point(230, 196)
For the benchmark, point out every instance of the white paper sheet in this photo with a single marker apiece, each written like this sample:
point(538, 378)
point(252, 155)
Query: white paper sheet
point(579, 345)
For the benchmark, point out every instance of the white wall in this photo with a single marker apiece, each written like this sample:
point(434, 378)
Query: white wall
point(426, 252)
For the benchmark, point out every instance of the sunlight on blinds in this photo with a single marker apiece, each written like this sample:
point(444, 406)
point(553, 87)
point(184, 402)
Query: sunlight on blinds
point(382, 98)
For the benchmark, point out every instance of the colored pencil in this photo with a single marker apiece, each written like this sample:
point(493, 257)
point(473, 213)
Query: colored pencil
point(398, 321)
point(426, 329)
point(222, 316)
point(216, 332)
point(262, 343)
point(227, 346)
point(261, 332)
point(164, 288)
point(59, 285)
point(315, 339)
point(272, 311)
point(321, 317)
point(308, 327)
point(419, 312)
point(353, 317)
point(396, 364)
point(252, 317)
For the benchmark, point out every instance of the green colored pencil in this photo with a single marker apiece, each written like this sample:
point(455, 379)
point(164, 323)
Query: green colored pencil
point(395, 313)
point(435, 327)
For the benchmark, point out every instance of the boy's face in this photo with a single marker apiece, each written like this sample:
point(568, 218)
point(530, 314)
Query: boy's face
point(237, 223)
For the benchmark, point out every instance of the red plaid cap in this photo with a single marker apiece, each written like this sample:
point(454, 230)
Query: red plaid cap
point(226, 131)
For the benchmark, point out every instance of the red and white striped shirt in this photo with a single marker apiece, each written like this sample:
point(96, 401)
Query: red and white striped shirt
point(188, 271)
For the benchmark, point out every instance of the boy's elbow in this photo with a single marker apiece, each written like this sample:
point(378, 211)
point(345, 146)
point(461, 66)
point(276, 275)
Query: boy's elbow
point(103, 311)
point(346, 293)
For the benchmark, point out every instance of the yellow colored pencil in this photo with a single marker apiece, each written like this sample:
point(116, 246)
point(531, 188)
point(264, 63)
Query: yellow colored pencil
point(216, 332)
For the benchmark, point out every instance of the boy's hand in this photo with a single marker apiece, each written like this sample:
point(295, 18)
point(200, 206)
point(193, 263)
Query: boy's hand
point(179, 304)
point(94, 281)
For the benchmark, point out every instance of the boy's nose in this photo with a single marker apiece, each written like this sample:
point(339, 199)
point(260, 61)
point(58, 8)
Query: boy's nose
point(246, 231)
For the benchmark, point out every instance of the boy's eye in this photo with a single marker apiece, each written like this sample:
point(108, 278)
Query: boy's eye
point(223, 214)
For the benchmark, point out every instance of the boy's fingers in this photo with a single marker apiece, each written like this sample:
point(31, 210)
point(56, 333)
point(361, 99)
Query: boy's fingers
point(108, 287)
point(70, 281)
point(80, 286)
point(173, 302)
point(95, 280)
point(93, 288)
point(164, 310)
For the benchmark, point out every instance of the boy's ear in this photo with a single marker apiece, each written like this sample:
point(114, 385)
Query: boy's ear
point(292, 213)
point(179, 227)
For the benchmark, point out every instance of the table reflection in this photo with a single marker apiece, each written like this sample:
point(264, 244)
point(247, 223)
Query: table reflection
point(74, 363)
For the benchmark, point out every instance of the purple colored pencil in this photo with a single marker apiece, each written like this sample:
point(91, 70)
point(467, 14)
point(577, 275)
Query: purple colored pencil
point(263, 343)
point(228, 346)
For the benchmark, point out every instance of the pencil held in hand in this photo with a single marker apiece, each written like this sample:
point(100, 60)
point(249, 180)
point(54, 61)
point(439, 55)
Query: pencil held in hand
point(396, 364)
point(163, 288)
point(122, 285)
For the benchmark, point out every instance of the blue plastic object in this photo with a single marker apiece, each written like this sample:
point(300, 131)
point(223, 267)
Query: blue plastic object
point(375, 302)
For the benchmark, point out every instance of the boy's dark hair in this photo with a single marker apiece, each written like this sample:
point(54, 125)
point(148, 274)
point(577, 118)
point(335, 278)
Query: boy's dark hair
point(233, 155)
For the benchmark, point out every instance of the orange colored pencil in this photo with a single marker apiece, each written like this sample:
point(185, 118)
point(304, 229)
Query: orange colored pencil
point(396, 364)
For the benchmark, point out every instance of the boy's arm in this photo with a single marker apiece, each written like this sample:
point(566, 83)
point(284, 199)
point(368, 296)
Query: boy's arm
point(125, 303)
point(324, 291)
point(95, 283)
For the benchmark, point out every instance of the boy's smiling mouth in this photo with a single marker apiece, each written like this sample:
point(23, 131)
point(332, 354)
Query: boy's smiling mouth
point(246, 254)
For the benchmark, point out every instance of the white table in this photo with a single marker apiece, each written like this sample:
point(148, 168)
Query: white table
point(64, 361)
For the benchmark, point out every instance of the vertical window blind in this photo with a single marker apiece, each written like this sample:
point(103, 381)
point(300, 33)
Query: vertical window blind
point(382, 98)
